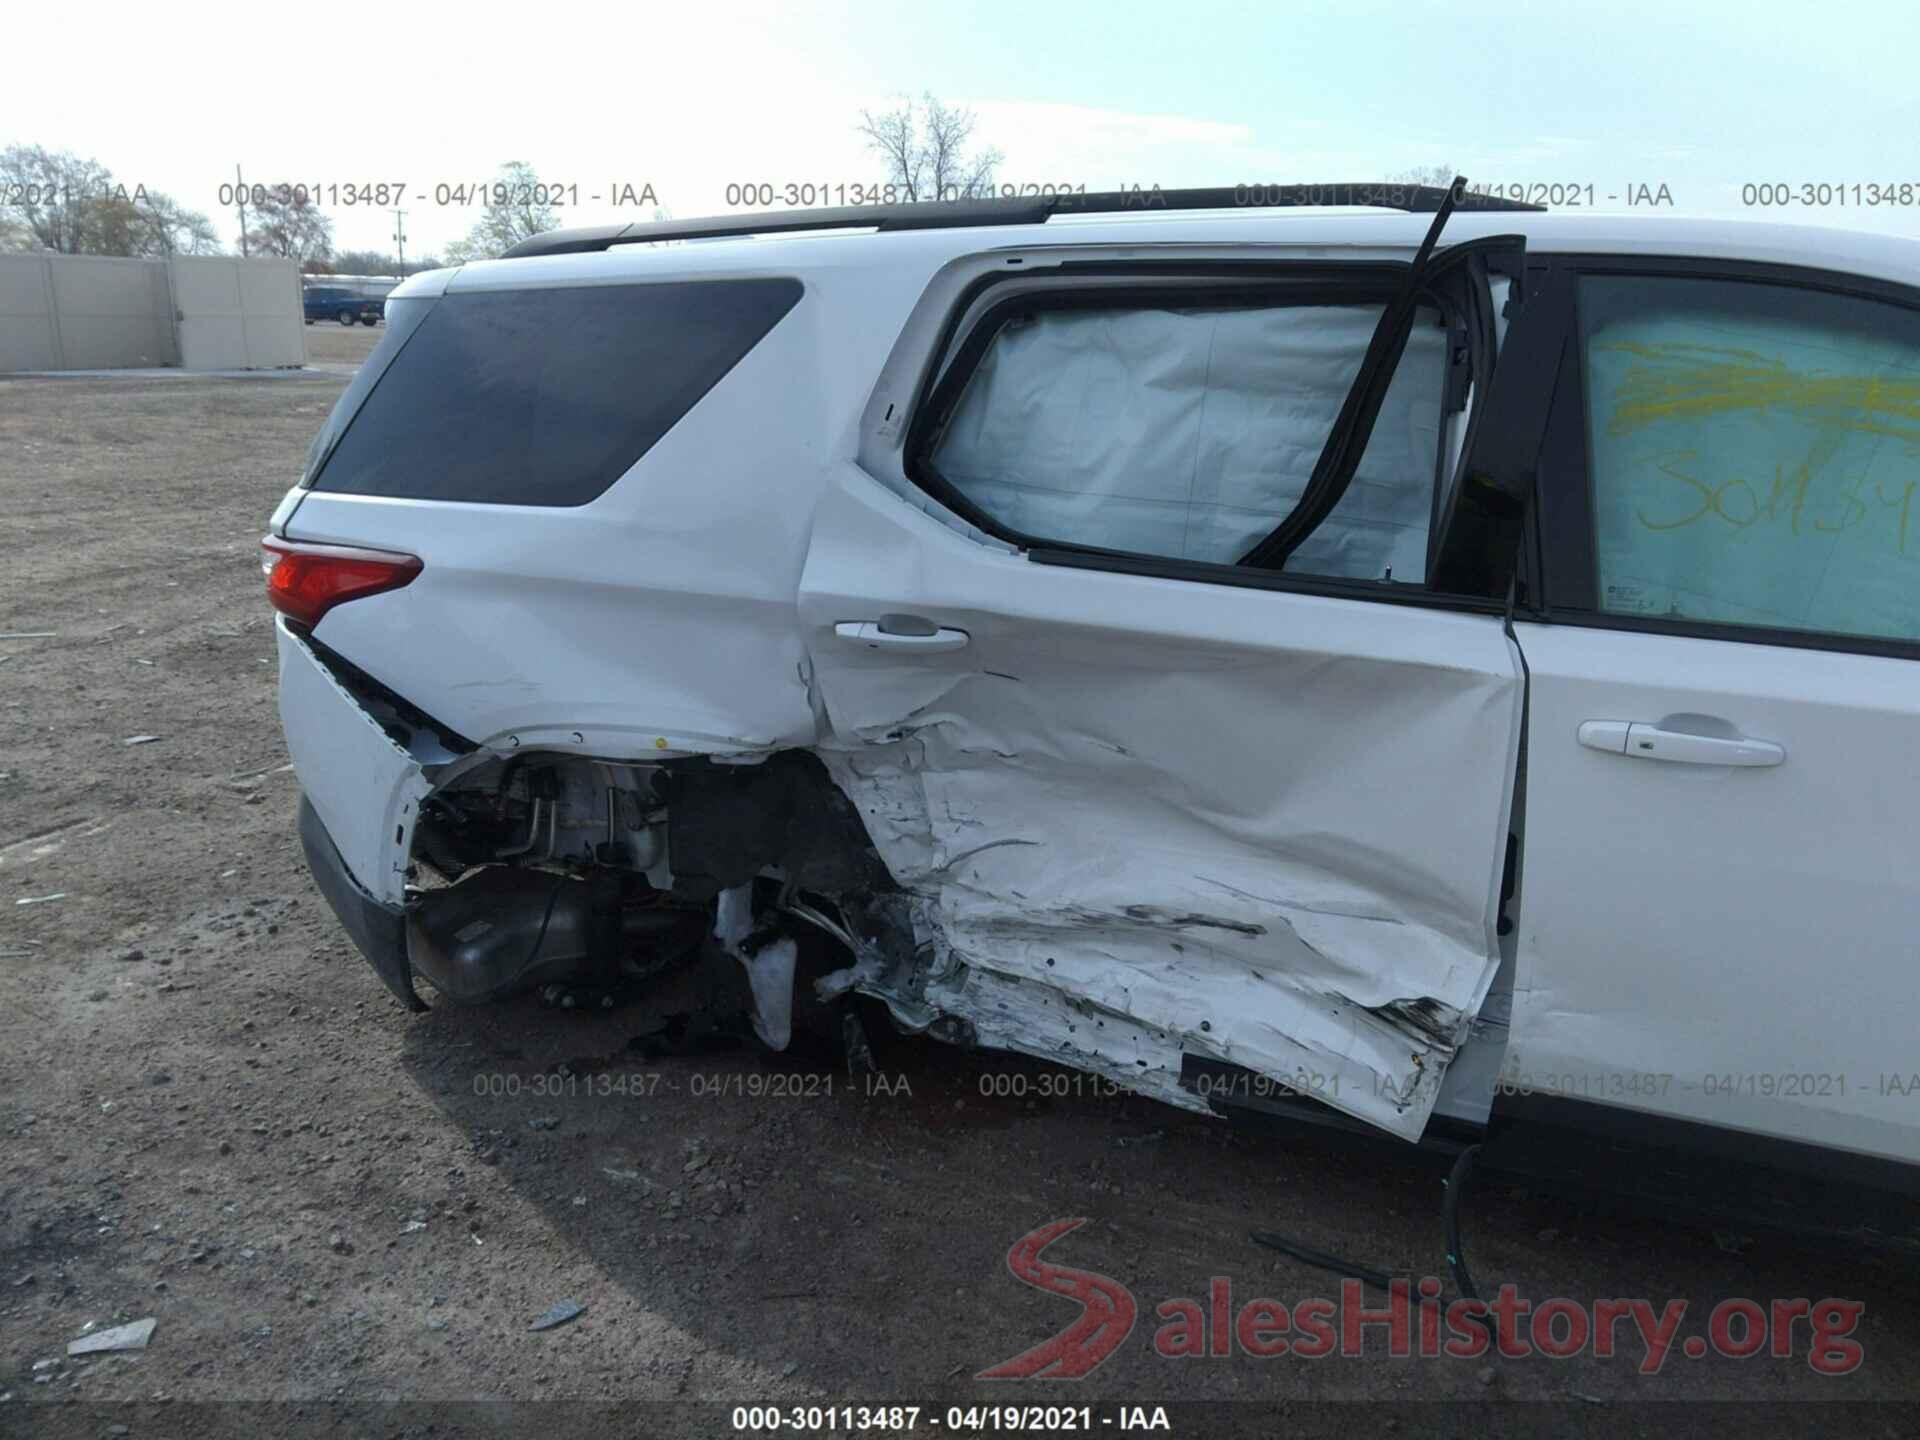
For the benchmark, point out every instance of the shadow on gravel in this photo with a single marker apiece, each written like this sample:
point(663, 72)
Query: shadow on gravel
point(835, 1239)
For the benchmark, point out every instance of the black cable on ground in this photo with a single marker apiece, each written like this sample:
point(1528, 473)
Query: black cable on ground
point(1322, 1259)
point(1456, 1184)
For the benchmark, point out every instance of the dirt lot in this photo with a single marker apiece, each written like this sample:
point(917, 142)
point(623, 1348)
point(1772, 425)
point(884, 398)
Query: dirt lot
point(212, 1114)
point(331, 343)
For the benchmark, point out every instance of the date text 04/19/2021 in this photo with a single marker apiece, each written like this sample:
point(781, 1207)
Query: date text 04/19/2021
point(955, 1419)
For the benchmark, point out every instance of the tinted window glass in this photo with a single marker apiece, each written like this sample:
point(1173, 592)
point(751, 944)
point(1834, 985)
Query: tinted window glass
point(1193, 433)
point(544, 397)
point(403, 318)
point(1755, 454)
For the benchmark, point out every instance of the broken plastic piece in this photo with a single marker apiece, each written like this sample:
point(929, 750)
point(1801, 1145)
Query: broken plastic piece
point(559, 1314)
point(770, 977)
point(131, 1336)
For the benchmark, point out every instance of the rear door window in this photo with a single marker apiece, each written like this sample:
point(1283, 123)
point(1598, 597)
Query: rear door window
point(540, 397)
point(1191, 433)
point(1754, 453)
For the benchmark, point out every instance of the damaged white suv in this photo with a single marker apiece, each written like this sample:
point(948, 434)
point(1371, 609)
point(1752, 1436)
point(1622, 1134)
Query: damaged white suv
point(1425, 673)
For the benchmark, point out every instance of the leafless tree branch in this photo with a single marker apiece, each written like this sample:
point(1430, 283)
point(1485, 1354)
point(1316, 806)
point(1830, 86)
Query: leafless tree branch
point(924, 147)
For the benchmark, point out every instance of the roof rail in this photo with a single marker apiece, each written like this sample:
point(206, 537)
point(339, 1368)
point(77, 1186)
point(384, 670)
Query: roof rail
point(1011, 210)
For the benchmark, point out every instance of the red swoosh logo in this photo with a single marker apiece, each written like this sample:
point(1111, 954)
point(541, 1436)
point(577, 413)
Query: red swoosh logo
point(1106, 1316)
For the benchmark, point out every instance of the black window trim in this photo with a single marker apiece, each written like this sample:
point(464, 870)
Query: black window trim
point(956, 355)
point(1330, 587)
point(1484, 543)
point(1564, 536)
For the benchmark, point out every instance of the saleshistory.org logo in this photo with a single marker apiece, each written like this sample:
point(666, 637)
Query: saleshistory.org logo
point(1107, 1312)
point(1414, 1321)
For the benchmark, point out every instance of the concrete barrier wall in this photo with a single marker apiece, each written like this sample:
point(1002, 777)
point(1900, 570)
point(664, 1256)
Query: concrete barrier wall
point(238, 314)
point(28, 339)
point(96, 312)
point(84, 312)
point(111, 312)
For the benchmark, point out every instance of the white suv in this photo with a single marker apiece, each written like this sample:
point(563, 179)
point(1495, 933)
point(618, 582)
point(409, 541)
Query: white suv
point(1258, 653)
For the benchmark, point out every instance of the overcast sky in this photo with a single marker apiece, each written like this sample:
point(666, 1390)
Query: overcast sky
point(691, 98)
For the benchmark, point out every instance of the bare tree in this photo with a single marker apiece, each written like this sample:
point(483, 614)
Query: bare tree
point(1436, 175)
point(169, 228)
point(924, 147)
point(112, 225)
point(290, 224)
point(54, 200)
point(517, 210)
point(53, 194)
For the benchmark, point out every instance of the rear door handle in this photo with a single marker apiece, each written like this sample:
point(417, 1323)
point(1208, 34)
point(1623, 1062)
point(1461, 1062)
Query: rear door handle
point(922, 638)
point(1639, 741)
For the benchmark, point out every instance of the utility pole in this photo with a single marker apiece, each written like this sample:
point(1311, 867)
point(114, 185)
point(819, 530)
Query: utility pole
point(240, 194)
point(400, 238)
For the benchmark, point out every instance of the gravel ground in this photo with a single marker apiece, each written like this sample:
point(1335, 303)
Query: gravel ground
point(212, 1114)
point(331, 343)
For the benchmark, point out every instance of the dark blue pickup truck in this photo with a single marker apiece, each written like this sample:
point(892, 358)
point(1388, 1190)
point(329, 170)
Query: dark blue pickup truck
point(330, 302)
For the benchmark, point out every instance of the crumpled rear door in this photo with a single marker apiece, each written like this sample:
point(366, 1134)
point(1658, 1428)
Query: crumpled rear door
point(1144, 816)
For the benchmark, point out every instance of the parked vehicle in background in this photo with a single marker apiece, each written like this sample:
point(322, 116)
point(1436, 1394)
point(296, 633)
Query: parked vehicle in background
point(332, 302)
point(1454, 684)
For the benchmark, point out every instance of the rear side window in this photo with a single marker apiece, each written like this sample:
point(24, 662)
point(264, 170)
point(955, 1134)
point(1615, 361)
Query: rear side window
point(1192, 433)
point(1755, 454)
point(542, 397)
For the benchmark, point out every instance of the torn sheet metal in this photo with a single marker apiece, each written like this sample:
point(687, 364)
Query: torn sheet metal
point(366, 788)
point(769, 965)
point(1268, 831)
point(1042, 942)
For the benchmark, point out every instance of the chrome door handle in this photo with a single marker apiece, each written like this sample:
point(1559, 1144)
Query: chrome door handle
point(1638, 741)
point(921, 639)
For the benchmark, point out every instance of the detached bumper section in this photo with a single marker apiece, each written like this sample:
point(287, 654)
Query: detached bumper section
point(361, 796)
point(379, 929)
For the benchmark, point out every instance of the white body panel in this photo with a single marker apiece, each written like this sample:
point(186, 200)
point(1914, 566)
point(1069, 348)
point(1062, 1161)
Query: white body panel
point(656, 619)
point(1264, 827)
point(1261, 826)
point(1747, 930)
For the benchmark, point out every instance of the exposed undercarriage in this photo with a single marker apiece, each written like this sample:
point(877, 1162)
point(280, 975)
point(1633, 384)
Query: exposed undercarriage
point(714, 893)
point(1049, 894)
point(709, 889)
point(718, 893)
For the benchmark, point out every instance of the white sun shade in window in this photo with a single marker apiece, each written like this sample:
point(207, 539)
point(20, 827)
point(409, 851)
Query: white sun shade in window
point(1192, 433)
point(1755, 453)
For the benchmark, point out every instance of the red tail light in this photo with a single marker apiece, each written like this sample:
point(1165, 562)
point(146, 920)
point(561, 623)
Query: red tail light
point(305, 581)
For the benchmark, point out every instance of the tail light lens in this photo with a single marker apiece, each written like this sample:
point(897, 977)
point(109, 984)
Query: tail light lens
point(305, 581)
